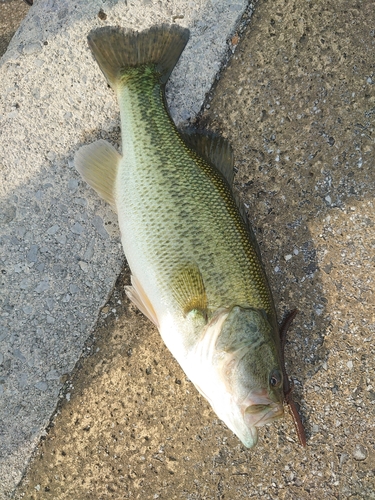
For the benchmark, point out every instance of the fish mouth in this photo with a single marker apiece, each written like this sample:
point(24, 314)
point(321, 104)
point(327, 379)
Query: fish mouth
point(259, 415)
point(254, 416)
point(261, 410)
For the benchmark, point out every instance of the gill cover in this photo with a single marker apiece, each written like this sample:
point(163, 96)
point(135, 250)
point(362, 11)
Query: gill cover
point(244, 383)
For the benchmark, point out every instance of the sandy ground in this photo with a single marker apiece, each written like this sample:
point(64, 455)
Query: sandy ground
point(297, 102)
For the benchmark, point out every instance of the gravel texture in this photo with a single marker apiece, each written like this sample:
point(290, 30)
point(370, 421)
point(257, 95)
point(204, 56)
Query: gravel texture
point(60, 252)
point(12, 13)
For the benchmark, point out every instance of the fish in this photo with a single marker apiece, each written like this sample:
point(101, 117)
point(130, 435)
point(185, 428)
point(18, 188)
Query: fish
point(196, 269)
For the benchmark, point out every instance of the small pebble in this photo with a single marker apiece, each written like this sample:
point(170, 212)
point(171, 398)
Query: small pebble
point(42, 386)
point(73, 185)
point(80, 201)
point(360, 453)
point(73, 288)
point(50, 303)
point(51, 155)
point(25, 284)
point(32, 48)
point(42, 287)
point(83, 266)
point(12, 114)
point(97, 222)
point(53, 229)
point(32, 255)
point(61, 239)
point(52, 375)
point(27, 309)
point(89, 251)
point(18, 354)
point(77, 228)
point(343, 458)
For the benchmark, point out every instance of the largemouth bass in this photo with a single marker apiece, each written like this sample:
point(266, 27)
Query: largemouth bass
point(196, 268)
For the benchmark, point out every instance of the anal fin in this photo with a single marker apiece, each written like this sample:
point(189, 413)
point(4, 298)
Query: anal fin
point(98, 165)
point(139, 298)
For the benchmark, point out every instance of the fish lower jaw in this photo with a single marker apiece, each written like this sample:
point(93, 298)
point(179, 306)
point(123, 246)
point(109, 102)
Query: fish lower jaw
point(259, 416)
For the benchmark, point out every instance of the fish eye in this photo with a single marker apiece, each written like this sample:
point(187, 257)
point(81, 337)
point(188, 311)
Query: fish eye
point(275, 379)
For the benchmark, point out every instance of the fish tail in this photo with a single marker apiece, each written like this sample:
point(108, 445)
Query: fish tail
point(118, 50)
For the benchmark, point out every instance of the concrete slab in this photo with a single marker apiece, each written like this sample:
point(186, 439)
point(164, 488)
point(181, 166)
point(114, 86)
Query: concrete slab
point(60, 252)
point(298, 103)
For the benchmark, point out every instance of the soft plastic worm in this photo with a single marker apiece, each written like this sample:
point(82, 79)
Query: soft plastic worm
point(288, 386)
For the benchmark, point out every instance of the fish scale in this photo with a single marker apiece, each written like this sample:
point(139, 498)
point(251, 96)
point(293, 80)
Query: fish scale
point(179, 174)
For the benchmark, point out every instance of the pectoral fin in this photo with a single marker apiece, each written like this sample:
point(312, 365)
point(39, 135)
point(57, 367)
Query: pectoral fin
point(189, 291)
point(138, 296)
point(98, 165)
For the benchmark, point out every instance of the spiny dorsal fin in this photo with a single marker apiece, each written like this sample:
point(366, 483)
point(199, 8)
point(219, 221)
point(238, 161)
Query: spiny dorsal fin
point(137, 295)
point(218, 152)
point(213, 148)
point(116, 50)
point(98, 163)
point(242, 209)
point(189, 291)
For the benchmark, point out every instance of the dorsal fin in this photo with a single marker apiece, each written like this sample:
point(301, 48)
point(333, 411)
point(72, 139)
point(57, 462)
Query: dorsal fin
point(242, 209)
point(213, 148)
point(218, 152)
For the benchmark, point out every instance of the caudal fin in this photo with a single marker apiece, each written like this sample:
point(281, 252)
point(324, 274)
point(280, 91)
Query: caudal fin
point(116, 50)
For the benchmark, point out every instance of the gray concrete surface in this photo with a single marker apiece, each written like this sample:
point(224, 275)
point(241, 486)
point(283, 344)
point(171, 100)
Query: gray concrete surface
point(60, 251)
point(297, 101)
